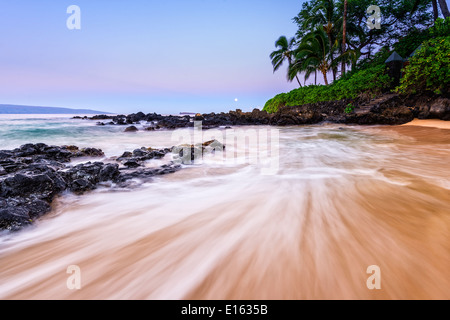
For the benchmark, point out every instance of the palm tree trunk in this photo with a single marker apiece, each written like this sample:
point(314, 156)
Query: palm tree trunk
point(344, 35)
point(332, 58)
point(325, 77)
point(444, 8)
point(315, 77)
point(298, 81)
point(328, 32)
point(290, 64)
point(435, 10)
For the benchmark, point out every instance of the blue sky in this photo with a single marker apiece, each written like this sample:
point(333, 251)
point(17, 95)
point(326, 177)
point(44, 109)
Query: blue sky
point(155, 56)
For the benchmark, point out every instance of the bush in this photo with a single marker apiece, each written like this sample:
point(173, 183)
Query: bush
point(372, 80)
point(428, 69)
point(350, 108)
point(441, 28)
point(405, 46)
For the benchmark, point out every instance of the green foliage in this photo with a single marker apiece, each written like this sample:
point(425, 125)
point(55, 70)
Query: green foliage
point(284, 53)
point(399, 17)
point(372, 80)
point(313, 53)
point(350, 108)
point(378, 60)
point(428, 69)
point(406, 45)
point(441, 28)
point(403, 30)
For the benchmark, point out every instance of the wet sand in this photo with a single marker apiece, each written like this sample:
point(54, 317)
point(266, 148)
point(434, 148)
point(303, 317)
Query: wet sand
point(429, 123)
point(343, 200)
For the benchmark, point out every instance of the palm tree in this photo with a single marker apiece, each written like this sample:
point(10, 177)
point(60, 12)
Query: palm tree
point(344, 34)
point(284, 53)
point(324, 14)
point(314, 52)
point(349, 57)
point(442, 4)
point(435, 10)
point(300, 66)
point(444, 8)
point(303, 66)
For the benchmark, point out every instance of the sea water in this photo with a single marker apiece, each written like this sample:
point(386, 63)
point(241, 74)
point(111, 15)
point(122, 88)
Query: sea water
point(342, 199)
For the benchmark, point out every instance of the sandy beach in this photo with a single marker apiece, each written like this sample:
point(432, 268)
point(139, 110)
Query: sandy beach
point(343, 199)
point(441, 124)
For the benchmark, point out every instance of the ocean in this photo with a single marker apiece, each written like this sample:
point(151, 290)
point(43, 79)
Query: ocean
point(283, 213)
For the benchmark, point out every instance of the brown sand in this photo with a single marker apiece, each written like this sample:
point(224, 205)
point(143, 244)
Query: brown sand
point(340, 203)
point(429, 123)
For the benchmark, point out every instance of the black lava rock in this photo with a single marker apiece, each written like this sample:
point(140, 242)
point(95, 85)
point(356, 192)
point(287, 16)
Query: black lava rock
point(33, 174)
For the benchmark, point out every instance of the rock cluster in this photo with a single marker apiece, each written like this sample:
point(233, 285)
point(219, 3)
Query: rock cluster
point(32, 175)
point(429, 107)
point(390, 109)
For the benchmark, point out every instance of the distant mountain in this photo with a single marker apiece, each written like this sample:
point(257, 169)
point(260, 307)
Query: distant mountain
point(13, 109)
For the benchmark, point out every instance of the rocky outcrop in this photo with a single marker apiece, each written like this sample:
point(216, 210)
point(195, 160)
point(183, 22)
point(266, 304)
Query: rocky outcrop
point(139, 156)
point(188, 154)
point(34, 174)
point(388, 109)
point(153, 121)
point(425, 107)
point(440, 109)
point(131, 129)
point(85, 177)
point(43, 153)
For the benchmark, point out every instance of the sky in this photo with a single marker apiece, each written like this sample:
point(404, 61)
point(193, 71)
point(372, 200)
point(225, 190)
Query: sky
point(160, 56)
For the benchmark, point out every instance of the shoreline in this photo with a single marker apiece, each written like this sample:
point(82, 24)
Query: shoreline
point(429, 123)
point(32, 175)
point(386, 109)
point(358, 191)
point(49, 161)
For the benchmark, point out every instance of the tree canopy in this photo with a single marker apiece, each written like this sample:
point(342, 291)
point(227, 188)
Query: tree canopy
point(360, 43)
